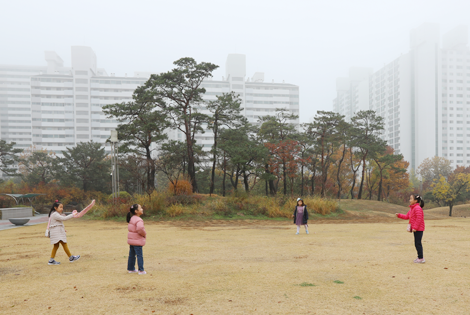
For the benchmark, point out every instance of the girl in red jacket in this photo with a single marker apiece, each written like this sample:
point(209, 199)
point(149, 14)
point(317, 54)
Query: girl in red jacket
point(136, 239)
point(416, 224)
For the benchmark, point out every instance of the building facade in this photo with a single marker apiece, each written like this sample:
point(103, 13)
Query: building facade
point(422, 97)
point(54, 107)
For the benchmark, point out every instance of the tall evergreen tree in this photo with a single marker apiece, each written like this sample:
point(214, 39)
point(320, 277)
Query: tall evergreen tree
point(178, 93)
point(225, 112)
point(369, 128)
point(141, 128)
point(275, 129)
point(324, 130)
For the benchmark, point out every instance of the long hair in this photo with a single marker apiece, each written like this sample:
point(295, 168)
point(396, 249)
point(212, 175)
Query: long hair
point(131, 212)
point(297, 204)
point(419, 200)
point(54, 206)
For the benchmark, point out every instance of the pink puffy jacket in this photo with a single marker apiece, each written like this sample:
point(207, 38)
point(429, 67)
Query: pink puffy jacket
point(416, 217)
point(137, 234)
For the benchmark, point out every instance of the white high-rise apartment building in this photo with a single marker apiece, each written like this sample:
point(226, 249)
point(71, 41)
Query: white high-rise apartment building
point(54, 107)
point(352, 92)
point(422, 96)
point(258, 98)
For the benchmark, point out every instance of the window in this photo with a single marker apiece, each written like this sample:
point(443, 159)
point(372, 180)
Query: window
point(81, 97)
point(82, 121)
point(83, 129)
point(81, 72)
point(81, 104)
point(81, 89)
point(83, 137)
point(81, 81)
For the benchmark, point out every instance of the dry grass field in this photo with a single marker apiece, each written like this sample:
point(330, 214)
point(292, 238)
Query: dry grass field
point(240, 267)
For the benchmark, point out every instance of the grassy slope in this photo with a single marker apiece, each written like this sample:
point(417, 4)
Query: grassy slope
point(381, 211)
point(457, 211)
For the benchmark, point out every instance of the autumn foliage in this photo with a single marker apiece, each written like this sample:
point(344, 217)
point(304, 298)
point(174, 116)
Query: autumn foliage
point(180, 187)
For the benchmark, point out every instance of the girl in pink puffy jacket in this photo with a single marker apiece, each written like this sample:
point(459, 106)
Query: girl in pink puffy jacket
point(416, 224)
point(136, 239)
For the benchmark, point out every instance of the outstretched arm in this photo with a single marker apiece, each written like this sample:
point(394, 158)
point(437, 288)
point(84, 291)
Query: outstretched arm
point(56, 216)
point(82, 213)
point(403, 216)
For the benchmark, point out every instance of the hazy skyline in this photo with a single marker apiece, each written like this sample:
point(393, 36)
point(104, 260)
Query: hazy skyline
point(307, 43)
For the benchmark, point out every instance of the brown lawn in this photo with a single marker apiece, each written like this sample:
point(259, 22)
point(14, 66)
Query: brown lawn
point(238, 267)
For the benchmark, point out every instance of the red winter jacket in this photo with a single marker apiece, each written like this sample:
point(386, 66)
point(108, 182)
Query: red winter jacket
point(416, 217)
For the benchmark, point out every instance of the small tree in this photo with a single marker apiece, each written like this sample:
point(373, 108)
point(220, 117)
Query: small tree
point(38, 166)
point(172, 160)
point(384, 162)
point(8, 157)
point(448, 191)
point(432, 169)
point(85, 166)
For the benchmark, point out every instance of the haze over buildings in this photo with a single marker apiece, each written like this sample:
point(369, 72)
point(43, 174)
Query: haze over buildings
point(423, 96)
point(53, 106)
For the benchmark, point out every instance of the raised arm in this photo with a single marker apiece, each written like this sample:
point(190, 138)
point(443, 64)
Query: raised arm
point(82, 213)
point(58, 217)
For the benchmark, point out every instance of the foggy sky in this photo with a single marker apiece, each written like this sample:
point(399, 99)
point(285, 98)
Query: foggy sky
point(307, 43)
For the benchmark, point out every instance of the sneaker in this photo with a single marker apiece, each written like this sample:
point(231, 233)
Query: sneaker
point(142, 272)
point(53, 262)
point(419, 261)
point(74, 258)
point(306, 231)
point(297, 233)
point(131, 271)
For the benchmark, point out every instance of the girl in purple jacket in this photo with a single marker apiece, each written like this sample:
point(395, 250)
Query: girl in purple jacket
point(136, 239)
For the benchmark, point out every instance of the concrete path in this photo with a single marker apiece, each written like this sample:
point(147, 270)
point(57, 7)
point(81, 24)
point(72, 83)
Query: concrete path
point(38, 219)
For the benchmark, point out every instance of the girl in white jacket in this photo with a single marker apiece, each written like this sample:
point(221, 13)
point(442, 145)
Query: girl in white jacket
point(57, 232)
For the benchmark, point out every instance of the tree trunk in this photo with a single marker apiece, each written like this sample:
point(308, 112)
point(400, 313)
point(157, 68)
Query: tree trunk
point(359, 195)
point(245, 182)
point(223, 180)
point(150, 171)
point(339, 169)
point(451, 205)
point(302, 179)
point(189, 148)
point(379, 198)
point(214, 157)
point(284, 178)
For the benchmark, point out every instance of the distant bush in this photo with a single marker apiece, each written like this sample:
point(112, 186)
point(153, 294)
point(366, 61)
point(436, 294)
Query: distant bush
point(124, 197)
point(220, 207)
point(183, 199)
point(182, 187)
point(174, 210)
point(321, 206)
point(153, 204)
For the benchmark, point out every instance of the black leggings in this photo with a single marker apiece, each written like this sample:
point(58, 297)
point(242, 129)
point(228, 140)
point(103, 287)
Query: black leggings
point(419, 247)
